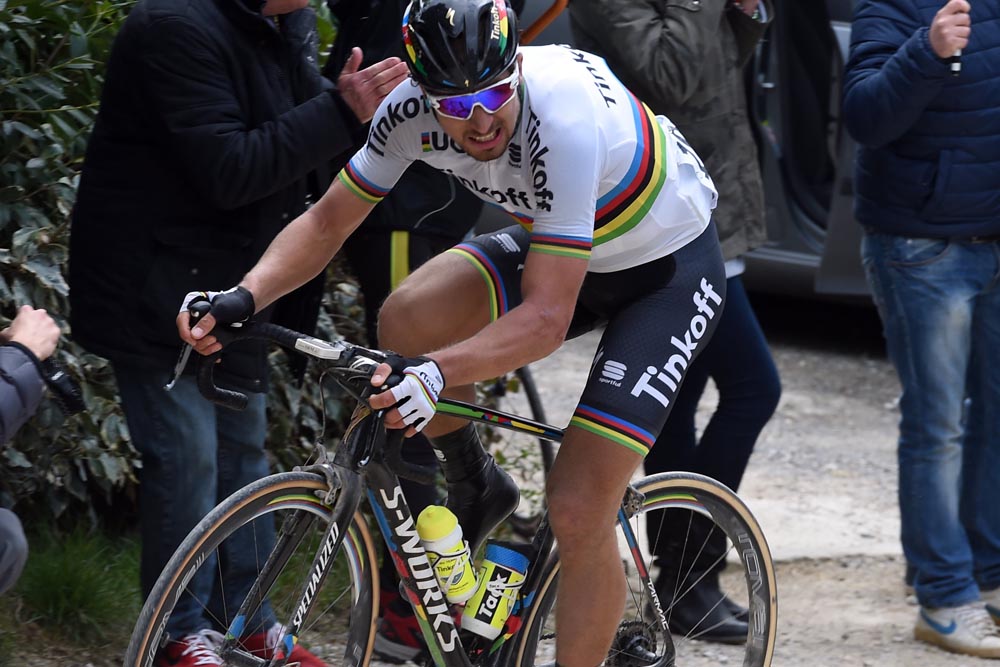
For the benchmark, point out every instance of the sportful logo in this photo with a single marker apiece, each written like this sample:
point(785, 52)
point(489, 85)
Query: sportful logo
point(613, 373)
point(423, 573)
point(507, 242)
point(678, 362)
point(514, 155)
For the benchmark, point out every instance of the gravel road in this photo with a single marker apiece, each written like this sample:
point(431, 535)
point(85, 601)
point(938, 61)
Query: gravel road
point(822, 482)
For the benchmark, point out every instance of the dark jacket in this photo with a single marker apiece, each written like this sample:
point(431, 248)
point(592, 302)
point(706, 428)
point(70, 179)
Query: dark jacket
point(21, 387)
point(215, 127)
point(929, 161)
point(684, 58)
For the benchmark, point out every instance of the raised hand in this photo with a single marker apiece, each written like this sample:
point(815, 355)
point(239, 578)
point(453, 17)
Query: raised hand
point(363, 91)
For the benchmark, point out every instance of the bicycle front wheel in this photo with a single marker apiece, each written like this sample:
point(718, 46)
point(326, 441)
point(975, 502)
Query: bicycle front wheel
point(255, 551)
point(641, 639)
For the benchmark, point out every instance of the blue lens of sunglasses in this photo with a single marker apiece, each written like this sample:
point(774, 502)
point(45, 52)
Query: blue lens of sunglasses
point(490, 99)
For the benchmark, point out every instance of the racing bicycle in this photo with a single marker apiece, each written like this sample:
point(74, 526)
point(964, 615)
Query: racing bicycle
point(320, 577)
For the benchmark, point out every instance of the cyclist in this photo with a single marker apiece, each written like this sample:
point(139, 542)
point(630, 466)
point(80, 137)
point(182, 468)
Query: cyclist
point(614, 211)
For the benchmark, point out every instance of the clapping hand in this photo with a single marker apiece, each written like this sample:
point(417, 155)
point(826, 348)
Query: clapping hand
point(363, 91)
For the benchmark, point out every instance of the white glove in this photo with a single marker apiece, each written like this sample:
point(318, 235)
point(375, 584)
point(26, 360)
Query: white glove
point(417, 394)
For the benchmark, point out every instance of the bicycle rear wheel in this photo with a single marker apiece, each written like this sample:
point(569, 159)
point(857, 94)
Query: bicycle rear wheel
point(641, 640)
point(340, 628)
point(528, 460)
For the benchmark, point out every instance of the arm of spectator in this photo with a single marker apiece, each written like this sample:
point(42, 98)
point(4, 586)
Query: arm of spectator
point(892, 71)
point(651, 44)
point(30, 338)
point(233, 160)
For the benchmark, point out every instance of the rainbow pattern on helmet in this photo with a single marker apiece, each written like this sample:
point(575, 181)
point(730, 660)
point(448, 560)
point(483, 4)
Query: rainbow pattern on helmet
point(411, 53)
point(501, 33)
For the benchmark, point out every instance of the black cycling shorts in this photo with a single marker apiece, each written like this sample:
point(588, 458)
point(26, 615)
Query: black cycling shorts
point(659, 316)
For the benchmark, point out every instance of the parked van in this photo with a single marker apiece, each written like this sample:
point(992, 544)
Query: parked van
point(807, 159)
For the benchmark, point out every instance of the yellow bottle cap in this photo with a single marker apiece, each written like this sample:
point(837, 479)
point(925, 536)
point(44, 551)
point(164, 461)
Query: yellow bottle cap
point(435, 522)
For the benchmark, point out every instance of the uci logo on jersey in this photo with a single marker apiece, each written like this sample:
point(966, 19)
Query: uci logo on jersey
point(437, 141)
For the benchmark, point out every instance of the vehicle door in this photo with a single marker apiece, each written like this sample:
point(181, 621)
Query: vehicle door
point(806, 157)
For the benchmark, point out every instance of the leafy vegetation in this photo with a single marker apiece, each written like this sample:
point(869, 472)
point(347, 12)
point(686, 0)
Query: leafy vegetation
point(50, 80)
point(51, 71)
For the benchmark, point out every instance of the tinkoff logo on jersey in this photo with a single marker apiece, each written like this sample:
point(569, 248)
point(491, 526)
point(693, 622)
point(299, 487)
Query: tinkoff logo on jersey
point(599, 81)
point(509, 196)
point(438, 141)
point(391, 115)
point(536, 151)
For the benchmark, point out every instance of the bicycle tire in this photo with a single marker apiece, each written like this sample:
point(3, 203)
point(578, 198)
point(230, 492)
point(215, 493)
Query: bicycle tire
point(755, 589)
point(528, 460)
point(345, 614)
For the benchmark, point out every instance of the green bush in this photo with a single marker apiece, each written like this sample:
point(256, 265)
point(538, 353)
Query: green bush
point(51, 55)
point(50, 82)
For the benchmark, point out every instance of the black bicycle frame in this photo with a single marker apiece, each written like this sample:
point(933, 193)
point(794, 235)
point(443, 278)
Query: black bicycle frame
point(368, 463)
point(399, 530)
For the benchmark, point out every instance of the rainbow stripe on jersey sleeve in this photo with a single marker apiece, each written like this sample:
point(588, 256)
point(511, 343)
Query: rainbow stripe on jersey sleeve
point(360, 186)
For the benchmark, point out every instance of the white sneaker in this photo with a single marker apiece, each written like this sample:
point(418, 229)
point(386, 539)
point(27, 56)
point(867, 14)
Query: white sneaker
point(992, 600)
point(968, 629)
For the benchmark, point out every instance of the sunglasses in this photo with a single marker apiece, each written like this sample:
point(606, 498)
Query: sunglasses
point(490, 99)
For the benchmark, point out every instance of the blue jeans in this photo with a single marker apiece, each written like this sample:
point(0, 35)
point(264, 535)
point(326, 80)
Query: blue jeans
point(739, 362)
point(194, 455)
point(940, 307)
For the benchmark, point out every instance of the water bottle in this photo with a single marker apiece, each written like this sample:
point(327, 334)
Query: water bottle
point(448, 553)
point(505, 565)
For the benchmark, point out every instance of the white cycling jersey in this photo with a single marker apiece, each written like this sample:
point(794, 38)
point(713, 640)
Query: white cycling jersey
point(590, 172)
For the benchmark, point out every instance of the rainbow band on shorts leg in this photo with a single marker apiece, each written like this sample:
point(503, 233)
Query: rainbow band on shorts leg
point(488, 270)
point(613, 428)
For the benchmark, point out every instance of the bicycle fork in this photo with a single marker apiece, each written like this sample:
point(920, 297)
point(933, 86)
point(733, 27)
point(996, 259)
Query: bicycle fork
point(343, 499)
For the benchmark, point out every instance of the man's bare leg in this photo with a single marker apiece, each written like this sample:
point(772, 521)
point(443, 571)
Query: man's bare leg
point(585, 491)
point(443, 302)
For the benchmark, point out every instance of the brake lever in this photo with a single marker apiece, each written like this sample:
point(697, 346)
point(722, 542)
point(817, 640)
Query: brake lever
point(182, 360)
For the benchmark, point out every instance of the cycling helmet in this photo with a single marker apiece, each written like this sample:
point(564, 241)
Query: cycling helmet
point(457, 46)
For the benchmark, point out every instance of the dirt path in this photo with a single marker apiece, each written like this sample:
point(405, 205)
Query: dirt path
point(822, 482)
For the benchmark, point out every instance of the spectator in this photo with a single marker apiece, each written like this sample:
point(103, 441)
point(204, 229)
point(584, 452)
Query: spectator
point(685, 60)
point(30, 339)
point(927, 180)
point(424, 215)
point(215, 129)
